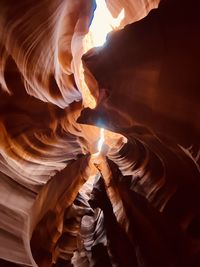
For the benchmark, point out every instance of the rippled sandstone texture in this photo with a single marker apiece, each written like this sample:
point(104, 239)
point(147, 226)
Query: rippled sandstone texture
point(144, 206)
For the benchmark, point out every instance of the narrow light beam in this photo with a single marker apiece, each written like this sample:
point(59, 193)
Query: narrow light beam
point(101, 140)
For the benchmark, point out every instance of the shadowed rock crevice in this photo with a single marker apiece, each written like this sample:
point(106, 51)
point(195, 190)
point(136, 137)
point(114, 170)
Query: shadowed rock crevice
point(63, 200)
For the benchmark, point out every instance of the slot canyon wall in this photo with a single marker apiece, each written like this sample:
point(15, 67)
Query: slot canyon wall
point(137, 202)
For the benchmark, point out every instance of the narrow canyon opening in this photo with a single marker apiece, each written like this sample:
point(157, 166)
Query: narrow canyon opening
point(99, 133)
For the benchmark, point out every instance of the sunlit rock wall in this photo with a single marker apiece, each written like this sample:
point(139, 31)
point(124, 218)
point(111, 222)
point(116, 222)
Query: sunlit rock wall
point(144, 207)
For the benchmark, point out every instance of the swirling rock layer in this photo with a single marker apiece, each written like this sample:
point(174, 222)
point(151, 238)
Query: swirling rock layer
point(138, 203)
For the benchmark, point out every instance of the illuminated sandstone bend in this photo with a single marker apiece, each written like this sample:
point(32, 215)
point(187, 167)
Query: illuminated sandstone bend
point(55, 95)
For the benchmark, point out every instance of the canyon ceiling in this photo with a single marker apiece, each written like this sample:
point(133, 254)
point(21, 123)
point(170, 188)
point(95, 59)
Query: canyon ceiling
point(63, 202)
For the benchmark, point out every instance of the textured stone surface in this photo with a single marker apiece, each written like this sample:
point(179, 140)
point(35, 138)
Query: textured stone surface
point(143, 209)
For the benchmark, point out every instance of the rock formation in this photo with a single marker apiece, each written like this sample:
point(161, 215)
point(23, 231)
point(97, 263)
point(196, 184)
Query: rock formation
point(135, 202)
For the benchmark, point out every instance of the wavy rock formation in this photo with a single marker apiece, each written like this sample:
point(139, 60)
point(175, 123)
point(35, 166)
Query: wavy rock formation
point(135, 202)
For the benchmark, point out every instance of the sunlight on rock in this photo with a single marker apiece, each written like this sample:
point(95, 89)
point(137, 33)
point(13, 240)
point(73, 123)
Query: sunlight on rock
point(103, 23)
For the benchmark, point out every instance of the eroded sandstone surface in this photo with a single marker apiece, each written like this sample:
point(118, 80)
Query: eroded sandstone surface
point(135, 203)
